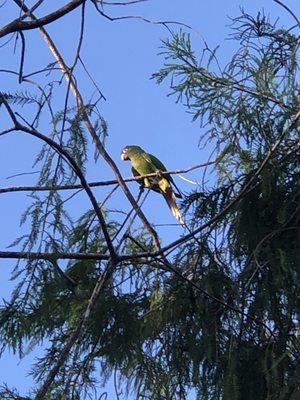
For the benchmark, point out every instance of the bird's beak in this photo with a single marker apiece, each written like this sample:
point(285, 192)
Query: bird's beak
point(124, 156)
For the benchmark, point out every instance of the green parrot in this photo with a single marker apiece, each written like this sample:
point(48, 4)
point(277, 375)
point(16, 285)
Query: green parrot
point(143, 163)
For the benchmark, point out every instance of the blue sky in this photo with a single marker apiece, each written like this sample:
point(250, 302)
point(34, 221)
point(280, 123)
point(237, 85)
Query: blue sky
point(121, 56)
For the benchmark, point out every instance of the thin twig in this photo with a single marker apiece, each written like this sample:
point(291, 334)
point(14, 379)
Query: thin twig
point(288, 10)
point(128, 3)
point(22, 56)
point(101, 183)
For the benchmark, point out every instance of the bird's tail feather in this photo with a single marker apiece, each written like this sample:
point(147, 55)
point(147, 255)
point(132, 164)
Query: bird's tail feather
point(178, 194)
point(171, 201)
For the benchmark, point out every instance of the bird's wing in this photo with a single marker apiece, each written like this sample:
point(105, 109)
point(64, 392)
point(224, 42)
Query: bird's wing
point(154, 187)
point(156, 162)
point(160, 166)
point(146, 158)
point(134, 172)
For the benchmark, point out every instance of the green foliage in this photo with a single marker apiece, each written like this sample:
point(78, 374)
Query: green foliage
point(163, 336)
point(22, 98)
point(260, 235)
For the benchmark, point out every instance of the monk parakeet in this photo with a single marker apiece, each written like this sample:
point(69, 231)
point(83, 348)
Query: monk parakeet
point(143, 164)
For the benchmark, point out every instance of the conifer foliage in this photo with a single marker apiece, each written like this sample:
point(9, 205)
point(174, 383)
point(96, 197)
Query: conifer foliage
point(218, 316)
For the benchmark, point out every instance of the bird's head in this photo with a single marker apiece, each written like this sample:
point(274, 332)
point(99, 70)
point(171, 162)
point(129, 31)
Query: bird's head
point(130, 151)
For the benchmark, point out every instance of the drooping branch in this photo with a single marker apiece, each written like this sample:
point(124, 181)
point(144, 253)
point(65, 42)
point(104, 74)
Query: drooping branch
point(282, 4)
point(76, 334)
point(90, 127)
point(111, 264)
point(249, 186)
point(228, 297)
point(62, 152)
point(233, 84)
point(169, 267)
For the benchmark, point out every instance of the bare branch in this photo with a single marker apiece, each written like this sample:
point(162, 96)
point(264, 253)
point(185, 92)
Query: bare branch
point(281, 3)
point(140, 18)
point(22, 56)
point(127, 3)
point(18, 25)
point(101, 183)
point(19, 255)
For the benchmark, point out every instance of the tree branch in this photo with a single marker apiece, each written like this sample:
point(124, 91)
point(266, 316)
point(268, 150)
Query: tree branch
point(60, 150)
point(19, 255)
point(234, 84)
point(103, 279)
point(90, 127)
point(177, 272)
point(101, 183)
point(245, 190)
point(18, 25)
point(289, 11)
point(23, 255)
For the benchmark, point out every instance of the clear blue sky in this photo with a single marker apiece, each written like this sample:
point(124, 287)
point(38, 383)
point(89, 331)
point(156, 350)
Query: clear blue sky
point(121, 56)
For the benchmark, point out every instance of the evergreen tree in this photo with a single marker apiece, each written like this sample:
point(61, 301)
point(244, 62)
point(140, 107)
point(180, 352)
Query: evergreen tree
point(218, 315)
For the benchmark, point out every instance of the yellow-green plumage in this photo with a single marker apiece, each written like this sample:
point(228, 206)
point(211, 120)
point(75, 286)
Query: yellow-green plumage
point(143, 164)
